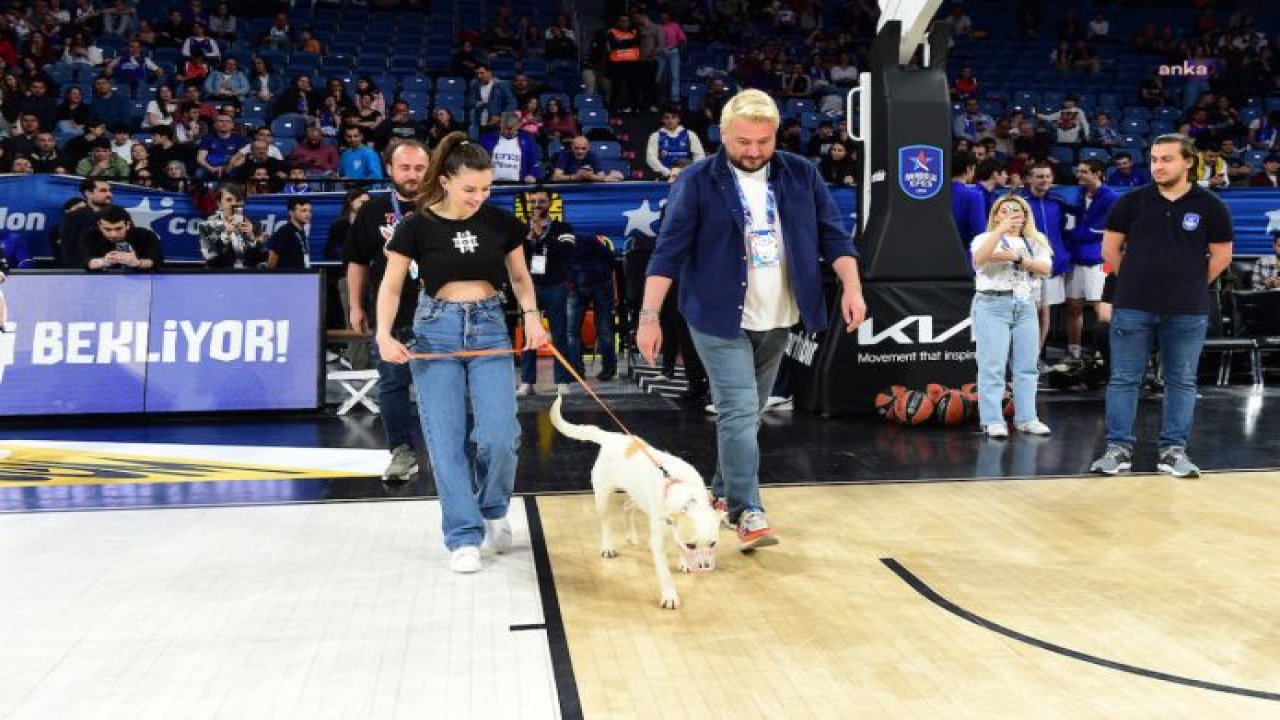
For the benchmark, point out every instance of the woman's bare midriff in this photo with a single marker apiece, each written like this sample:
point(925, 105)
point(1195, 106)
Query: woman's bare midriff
point(465, 291)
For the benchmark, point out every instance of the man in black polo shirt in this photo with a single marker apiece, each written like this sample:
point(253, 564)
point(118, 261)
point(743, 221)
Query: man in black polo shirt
point(365, 252)
point(1166, 242)
point(287, 248)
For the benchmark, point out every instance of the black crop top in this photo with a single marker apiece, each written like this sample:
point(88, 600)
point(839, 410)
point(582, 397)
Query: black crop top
point(449, 250)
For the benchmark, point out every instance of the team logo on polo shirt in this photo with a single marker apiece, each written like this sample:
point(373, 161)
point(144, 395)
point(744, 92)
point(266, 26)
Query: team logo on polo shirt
point(920, 171)
point(1190, 221)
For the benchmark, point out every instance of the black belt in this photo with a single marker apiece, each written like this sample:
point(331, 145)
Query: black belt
point(995, 292)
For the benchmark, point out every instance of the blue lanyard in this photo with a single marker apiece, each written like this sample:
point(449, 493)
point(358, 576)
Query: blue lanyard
point(770, 205)
point(395, 207)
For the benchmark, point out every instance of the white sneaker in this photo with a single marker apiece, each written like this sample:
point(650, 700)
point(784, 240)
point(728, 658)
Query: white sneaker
point(996, 430)
point(1033, 427)
point(465, 559)
point(777, 403)
point(524, 389)
point(711, 409)
point(497, 535)
point(562, 388)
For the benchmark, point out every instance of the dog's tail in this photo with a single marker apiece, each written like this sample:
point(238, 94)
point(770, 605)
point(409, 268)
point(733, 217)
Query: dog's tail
point(589, 433)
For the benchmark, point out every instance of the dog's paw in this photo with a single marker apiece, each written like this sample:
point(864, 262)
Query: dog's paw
point(609, 553)
point(671, 602)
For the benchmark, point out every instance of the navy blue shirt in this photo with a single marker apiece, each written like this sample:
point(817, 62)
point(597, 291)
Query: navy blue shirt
point(1166, 246)
point(702, 241)
point(288, 242)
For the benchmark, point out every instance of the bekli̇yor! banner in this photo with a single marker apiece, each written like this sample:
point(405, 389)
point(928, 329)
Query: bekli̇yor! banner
point(188, 342)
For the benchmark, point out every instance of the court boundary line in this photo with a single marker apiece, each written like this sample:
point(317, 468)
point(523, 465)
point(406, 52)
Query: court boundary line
point(557, 639)
point(938, 599)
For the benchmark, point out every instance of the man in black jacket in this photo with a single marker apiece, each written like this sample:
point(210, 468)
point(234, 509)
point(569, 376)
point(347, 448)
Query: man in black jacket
point(115, 244)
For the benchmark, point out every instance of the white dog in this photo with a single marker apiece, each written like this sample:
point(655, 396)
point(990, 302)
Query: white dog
point(678, 500)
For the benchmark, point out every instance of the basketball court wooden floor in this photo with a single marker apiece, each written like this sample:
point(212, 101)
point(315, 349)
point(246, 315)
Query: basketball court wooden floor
point(1043, 597)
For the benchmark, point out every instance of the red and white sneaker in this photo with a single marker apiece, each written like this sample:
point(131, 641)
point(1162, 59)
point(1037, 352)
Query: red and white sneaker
point(721, 505)
point(754, 531)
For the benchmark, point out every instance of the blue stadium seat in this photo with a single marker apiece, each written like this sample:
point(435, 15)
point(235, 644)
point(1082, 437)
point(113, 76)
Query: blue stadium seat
point(607, 149)
point(1065, 155)
point(618, 164)
point(1099, 154)
point(416, 82)
point(1134, 126)
point(289, 125)
point(451, 85)
point(1170, 114)
point(1160, 127)
point(1136, 112)
point(713, 134)
point(450, 99)
point(593, 117)
point(1254, 158)
point(1133, 142)
point(305, 59)
point(796, 106)
point(404, 64)
point(415, 98)
point(583, 102)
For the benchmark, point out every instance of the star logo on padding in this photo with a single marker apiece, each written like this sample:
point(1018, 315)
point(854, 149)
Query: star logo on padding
point(641, 219)
point(143, 215)
point(1273, 221)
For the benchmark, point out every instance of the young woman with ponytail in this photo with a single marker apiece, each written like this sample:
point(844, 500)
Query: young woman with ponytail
point(459, 250)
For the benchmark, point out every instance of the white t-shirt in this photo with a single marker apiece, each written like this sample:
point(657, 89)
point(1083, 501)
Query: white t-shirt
point(997, 275)
point(770, 303)
point(506, 159)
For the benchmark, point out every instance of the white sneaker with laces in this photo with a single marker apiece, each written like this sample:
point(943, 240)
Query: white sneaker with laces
point(996, 430)
point(465, 559)
point(524, 389)
point(497, 535)
point(1033, 427)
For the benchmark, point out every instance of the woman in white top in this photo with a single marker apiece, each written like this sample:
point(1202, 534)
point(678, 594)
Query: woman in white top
point(1009, 259)
point(160, 111)
point(844, 73)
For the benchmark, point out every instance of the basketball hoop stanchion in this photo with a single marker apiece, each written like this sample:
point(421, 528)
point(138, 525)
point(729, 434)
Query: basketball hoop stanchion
point(915, 273)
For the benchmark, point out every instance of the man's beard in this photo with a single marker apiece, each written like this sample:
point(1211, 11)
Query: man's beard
point(744, 168)
point(404, 191)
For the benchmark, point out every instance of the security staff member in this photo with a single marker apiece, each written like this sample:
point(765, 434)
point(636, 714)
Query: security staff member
point(365, 253)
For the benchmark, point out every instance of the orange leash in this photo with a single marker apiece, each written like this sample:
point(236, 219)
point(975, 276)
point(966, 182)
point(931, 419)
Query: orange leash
point(567, 366)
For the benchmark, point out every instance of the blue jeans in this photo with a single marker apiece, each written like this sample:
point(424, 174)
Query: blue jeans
point(741, 372)
point(553, 301)
point(467, 453)
point(394, 400)
point(669, 64)
point(600, 297)
point(1002, 323)
point(1181, 337)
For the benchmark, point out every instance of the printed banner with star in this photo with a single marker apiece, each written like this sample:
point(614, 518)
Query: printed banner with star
point(33, 205)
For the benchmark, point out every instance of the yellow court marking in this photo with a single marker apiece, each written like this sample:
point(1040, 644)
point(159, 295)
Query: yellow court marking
point(25, 466)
